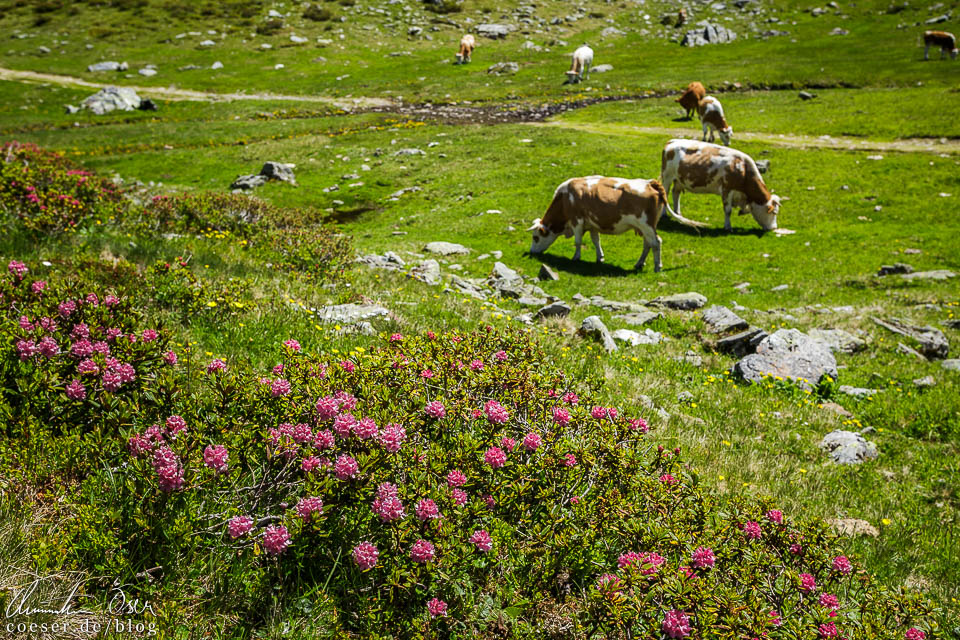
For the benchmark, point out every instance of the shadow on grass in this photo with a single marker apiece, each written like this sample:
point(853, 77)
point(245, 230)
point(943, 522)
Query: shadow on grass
point(592, 268)
point(669, 224)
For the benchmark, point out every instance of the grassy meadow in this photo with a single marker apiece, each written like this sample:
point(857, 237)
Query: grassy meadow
point(857, 199)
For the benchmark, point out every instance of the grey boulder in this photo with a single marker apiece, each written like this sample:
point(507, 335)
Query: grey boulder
point(933, 344)
point(553, 310)
point(721, 320)
point(634, 338)
point(108, 66)
point(708, 34)
point(937, 274)
point(951, 365)
point(848, 447)
point(546, 273)
point(743, 343)
point(857, 392)
point(593, 327)
point(350, 313)
point(838, 340)
point(446, 248)
point(639, 318)
point(427, 271)
point(494, 30)
point(112, 99)
point(282, 171)
point(683, 301)
point(503, 68)
point(248, 182)
point(789, 353)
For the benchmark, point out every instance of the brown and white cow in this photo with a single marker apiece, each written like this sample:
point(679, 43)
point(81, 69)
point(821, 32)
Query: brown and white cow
point(580, 63)
point(711, 117)
point(690, 98)
point(944, 40)
point(467, 44)
point(701, 167)
point(603, 205)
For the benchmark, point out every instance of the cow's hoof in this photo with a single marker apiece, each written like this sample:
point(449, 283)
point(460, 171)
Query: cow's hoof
point(657, 269)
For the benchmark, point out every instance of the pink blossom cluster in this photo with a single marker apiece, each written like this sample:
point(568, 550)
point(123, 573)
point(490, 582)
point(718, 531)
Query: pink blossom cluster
point(293, 345)
point(239, 525)
point(914, 634)
point(116, 374)
point(435, 409)
point(280, 387)
point(276, 539)
point(676, 624)
point(495, 457)
point(216, 365)
point(456, 478)
point(306, 507)
point(561, 416)
point(496, 413)
point(365, 429)
point(426, 509)
point(387, 505)
point(167, 465)
point(646, 563)
point(17, 269)
point(638, 424)
point(610, 585)
point(841, 564)
point(366, 555)
point(775, 516)
point(75, 390)
point(828, 630)
point(569, 460)
point(392, 437)
point(532, 441)
point(437, 608)
point(481, 540)
point(422, 551)
point(216, 457)
point(346, 467)
point(829, 601)
point(751, 530)
point(459, 497)
point(703, 558)
point(808, 583)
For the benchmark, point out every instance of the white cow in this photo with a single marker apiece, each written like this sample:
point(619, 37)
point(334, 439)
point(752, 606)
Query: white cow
point(712, 119)
point(580, 65)
point(467, 44)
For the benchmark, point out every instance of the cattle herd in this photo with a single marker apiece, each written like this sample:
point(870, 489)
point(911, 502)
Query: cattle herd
point(608, 205)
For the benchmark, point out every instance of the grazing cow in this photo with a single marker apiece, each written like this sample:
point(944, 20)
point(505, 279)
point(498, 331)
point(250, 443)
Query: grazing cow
point(603, 205)
point(701, 167)
point(711, 117)
point(581, 63)
point(690, 98)
point(681, 17)
point(942, 39)
point(467, 43)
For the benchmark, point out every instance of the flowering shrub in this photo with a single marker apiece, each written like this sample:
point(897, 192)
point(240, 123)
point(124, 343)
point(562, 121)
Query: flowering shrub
point(419, 505)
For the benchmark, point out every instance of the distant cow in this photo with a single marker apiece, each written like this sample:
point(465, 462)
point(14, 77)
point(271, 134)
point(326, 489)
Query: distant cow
point(711, 117)
point(691, 96)
point(942, 39)
point(580, 64)
point(701, 167)
point(467, 43)
point(681, 18)
point(603, 205)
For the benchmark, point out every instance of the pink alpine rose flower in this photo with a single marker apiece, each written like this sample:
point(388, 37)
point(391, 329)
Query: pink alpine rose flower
point(914, 634)
point(216, 457)
point(459, 497)
point(775, 516)
point(293, 345)
point(435, 410)
point(426, 509)
point(829, 601)
point(842, 565)
point(676, 624)
point(481, 540)
point(456, 479)
point(280, 387)
point(75, 390)
point(216, 365)
point(276, 539)
point(345, 468)
point(392, 437)
point(495, 457)
point(366, 555)
point(751, 530)
point(437, 608)
point(703, 558)
point(807, 583)
point(310, 464)
point(239, 525)
point(422, 551)
point(531, 441)
point(599, 413)
point(170, 358)
point(306, 507)
point(496, 412)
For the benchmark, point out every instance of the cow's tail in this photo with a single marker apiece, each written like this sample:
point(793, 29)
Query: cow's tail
point(658, 185)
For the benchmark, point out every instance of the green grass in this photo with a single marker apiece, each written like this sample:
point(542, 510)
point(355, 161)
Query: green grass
point(754, 439)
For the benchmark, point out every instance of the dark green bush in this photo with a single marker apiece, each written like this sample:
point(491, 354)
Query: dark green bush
point(317, 13)
point(270, 27)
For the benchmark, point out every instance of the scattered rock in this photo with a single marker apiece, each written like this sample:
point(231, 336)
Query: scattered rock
point(593, 327)
point(837, 31)
point(147, 72)
point(639, 318)
point(848, 447)
point(838, 340)
point(951, 365)
point(780, 287)
point(427, 271)
point(806, 95)
point(71, 108)
point(112, 99)
point(837, 409)
point(554, 310)
point(721, 320)
point(216, 65)
point(937, 274)
point(503, 68)
point(146, 104)
point(494, 30)
point(409, 152)
point(926, 381)
point(299, 39)
point(937, 19)
point(904, 349)
point(708, 34)
point(682, 301)
point(469, 288)
point(279, 171)
point(763, 166)
point(896, 268)
point(789, 353)
point(743, 343)
point(633, 338)
point(615, 305)
point(446, 248)
point(350, 313)
point(108, 66)
point(207, 43)
point(857, 392)
point(601, 68)
point(933, 344)
point(531, 301)
point(248, 182)
point(389, 261)
point(691, 357)
point(546, 273)
point(851, 527)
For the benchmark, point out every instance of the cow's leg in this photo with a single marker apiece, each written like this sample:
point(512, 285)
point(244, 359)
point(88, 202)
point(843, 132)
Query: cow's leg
point(703, 122)
point(657, 265)
point(650, 241)
point(926, 52)
point(643, 256)
point(595, 236)
point(727, 210)
point(676, 196)
point(577, 240)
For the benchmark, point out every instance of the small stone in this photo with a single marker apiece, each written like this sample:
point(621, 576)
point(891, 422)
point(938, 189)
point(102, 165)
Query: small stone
point(147, 72)
point(639, 318)
point(780, 287)
point(838, 340)
point(857, 392)
point(837, 409)
point(446, 248)
point(208, 43)
point(216, 65)
point(851, 527)
point(720, 319)
point(553, 310)
point(743, 343)
point(427, 271)
point(593, 327)
point(925, 382)
point(789, 353)
point(682, 301)
point(350, 313)
point(634, 338)
point(939, 274)
point(503, 68)
point(893, 269)
point(806, 95)
point(546, 273)
point(848, 447)
point(602, 68)
point(951, 365)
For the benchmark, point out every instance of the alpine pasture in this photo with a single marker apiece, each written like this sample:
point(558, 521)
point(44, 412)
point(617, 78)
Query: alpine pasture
point(347, 402)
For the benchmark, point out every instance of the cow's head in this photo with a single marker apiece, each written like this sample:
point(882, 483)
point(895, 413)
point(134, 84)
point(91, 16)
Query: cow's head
point(542, 237)
point(459, 58)
point(766, 213)
point(953, 54)
point(725, 135)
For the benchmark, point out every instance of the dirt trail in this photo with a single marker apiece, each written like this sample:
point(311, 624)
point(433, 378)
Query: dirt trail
point(902, 145)
point(170, 93)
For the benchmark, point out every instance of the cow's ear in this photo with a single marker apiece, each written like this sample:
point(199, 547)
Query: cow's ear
point(536, 224)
